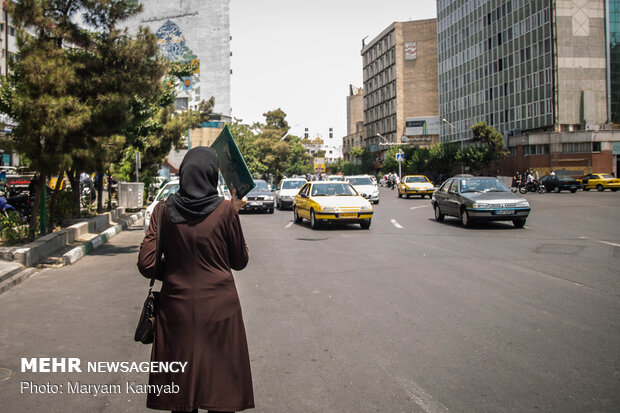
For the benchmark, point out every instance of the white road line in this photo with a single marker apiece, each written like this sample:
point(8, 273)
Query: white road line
point(396, 224)
point(422, 206)
point(609, 243)
point(288, 225)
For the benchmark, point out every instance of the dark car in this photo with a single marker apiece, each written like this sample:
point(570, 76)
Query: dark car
point(557, 183)
point(479, 198)
point(260, 198)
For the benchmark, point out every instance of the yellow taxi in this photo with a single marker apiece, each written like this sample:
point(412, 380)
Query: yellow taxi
point(335, 201)
point(415, 185)
point(600, 182)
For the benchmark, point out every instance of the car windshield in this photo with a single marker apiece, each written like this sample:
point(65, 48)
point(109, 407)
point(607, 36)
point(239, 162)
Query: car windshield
point(261, 186)
point(363, 180)
point(333, 189)
point(167, 191)
point(335, 178)
point(292, 184)
point(483, 185)
point(415, 179)
point(607, 176)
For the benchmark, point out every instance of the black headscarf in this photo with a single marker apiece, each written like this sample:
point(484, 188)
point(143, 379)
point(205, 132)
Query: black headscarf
point(197, 196)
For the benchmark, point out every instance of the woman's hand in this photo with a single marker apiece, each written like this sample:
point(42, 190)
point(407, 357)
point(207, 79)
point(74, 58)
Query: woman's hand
point(237, 203)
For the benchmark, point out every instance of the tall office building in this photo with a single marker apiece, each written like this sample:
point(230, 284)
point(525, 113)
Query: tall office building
point(535, 70)
point(613, 49)
point(355, 122)
point(193, 31)
point(400, 80)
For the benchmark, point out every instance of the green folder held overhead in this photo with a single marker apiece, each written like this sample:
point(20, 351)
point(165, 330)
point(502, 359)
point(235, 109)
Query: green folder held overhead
point(232, 165)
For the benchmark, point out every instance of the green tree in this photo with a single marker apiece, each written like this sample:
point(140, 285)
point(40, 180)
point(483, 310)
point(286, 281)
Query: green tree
point(363, 158)
point(39, 92)
point(488, 146)
point(299, 161)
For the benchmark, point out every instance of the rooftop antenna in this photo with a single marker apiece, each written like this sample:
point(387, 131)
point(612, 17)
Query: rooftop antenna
point(364, 41)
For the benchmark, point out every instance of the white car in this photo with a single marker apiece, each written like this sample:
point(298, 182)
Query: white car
point(287, 189)
point(164, 192)
point(365, 186)
point(168, 189)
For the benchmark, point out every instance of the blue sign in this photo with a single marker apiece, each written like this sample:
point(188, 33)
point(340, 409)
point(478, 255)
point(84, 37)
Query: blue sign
point(6, 159)
point(213, 124)
point(400, 157)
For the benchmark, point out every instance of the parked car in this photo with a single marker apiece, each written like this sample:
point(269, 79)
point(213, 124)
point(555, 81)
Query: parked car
point(557, 183)
point(260, 198)
point(479, 198)
point(415, 185)
point(287, 189)
point(324, 201)
point(600, 182)
point(365, 186)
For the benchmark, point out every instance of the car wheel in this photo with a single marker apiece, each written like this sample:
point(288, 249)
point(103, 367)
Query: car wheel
point(407, 195)
point(278, 205)
point(586, 189)
point(376, 202)
point(600, 188)
point(572, 191)
point(465, 219)
point(556, 189)
point(270, 211)
point(365, 224)
point(399, 194)
point(519, 222)
point(613, 189)
point(313, 222)
point(438, 215)
point(296, 216)
point(422, 196)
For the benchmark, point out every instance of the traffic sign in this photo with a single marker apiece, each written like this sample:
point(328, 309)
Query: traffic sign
point(400, 157)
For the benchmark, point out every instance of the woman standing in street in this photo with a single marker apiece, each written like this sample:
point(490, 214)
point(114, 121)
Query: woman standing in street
point(199, 319)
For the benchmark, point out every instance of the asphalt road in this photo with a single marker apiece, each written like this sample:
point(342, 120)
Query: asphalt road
point(409, 316)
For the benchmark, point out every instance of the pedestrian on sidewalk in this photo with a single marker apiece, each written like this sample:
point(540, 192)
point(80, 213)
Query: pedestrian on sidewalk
point(199, 319)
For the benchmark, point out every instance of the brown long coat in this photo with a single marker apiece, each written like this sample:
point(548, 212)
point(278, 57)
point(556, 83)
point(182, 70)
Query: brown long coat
point(199, 319)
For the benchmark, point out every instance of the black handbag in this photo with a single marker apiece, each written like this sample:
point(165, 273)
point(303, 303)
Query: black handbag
point(146, 323)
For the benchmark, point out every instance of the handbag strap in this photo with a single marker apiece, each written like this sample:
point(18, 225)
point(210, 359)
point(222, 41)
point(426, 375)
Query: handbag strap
point(158, 251)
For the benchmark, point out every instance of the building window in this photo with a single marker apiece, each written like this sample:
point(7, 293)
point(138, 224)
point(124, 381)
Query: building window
point(181, 104)
point(581, 147)
point(536, 150)
point(11, 31)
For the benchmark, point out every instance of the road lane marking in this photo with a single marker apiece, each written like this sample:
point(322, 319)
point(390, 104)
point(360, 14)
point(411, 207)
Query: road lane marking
point(396, 224)
point(609, 243)
point(416, 393)
point(422, 206)
point(288, 225)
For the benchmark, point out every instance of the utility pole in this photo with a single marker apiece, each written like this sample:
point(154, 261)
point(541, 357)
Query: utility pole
point(444, 120)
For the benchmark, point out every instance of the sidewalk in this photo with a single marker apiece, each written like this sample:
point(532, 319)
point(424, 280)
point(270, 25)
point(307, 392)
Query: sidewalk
point(63, 247)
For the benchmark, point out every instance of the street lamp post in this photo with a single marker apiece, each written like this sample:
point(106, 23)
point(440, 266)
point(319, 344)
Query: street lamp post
point(444, 120)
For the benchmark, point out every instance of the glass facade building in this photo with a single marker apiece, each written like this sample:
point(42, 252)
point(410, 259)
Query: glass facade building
point(496, 65)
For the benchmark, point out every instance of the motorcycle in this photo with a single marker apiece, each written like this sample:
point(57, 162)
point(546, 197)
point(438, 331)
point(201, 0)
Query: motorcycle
point(88, 195)
point(533, 186)
point(8, 213)
point(22, 203)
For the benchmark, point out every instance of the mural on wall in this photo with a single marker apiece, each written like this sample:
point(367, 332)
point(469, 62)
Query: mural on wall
point(172, 45)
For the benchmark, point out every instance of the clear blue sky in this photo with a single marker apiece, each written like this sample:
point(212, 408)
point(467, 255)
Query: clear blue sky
point(301, 56)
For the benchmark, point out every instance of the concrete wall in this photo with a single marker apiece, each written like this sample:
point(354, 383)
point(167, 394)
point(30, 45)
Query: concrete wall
point(581, 62)
point(194, 30)
point(416, 80)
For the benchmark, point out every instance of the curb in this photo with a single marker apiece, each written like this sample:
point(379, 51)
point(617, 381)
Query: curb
point(86, 248)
